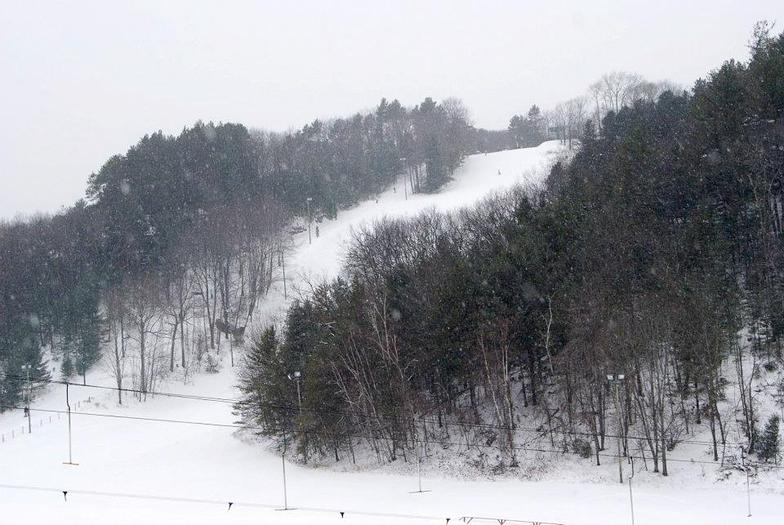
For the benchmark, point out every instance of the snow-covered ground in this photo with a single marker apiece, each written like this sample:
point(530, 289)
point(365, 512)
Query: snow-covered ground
point(196, 470)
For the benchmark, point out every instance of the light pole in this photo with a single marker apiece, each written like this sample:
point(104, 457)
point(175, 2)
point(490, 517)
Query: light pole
point(283, 464)
point(309, 219)
point(26, 368)
point(631, 496)
point(419, 475)
point(748, 484)
point(297, 377)
point(294, 377)
point(615, 380)
point(70, 447)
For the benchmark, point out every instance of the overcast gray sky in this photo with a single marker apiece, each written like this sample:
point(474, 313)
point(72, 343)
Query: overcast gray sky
point(83, 80)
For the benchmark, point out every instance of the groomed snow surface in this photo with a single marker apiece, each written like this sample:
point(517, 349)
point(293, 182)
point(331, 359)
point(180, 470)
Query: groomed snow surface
point(196, 470)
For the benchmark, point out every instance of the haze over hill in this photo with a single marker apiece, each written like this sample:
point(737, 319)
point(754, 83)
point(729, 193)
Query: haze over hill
point(83, 81)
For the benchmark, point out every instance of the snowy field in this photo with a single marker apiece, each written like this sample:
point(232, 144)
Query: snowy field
point(167, 471)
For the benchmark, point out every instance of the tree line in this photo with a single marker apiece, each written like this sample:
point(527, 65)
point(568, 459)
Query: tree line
point(654, 254)
point(566, 121)
point(180, 237)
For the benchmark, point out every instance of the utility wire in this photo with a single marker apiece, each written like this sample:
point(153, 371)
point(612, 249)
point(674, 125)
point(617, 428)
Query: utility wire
point(229, 503)
point(355, 435)
point(296, 408)
point(128, 390)
point(232, 503)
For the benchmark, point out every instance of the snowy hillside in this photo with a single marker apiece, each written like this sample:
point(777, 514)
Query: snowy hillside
point(480, 176)
point(181, 460)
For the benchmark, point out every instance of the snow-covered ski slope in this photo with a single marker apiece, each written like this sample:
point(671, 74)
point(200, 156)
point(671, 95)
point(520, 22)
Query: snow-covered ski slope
point(479, 176)
point(151, 467)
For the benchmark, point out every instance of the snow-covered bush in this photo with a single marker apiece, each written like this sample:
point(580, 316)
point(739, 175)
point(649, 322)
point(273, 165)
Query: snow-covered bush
point(212, 365)
point(581, 447)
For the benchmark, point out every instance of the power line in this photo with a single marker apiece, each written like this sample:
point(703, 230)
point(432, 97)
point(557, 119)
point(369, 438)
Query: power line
point(228, 503)
point(490, 426)
point(264, 505)
point(355, 435)
point(131, 390)
point(132, 418)
point(296, 408)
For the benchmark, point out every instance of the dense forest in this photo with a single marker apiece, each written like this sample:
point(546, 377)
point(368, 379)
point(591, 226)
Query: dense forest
point(178, 238)
point(655, 253)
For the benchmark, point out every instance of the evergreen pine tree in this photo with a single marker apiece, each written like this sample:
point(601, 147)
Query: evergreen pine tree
point(67, 368)
point(26, 351)
point(434, 166)
point(768, 445)
point(87, 350)
point(262, 383)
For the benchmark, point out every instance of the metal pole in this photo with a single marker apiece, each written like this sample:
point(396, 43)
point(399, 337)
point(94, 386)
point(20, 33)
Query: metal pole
point(283, 461)
point(297, 379)
point(419, 490)
point(29, 395)
point(631, 498)
point(70, 449)
point(748, 491)
point(618, 437)
point(419, 472)
point(748, 487)
point(308, 202)
point(70, 446)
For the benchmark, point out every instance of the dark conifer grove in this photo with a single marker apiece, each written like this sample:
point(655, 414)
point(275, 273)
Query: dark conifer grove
point(655, 252)
point(196, 225)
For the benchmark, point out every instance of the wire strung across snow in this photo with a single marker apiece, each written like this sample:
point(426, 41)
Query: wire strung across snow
point(231, 504)
point(490, 426)
point(324, 434)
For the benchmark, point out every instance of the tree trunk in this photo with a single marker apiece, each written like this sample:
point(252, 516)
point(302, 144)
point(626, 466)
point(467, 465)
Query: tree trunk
point(182, 341)
point(173, 341)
